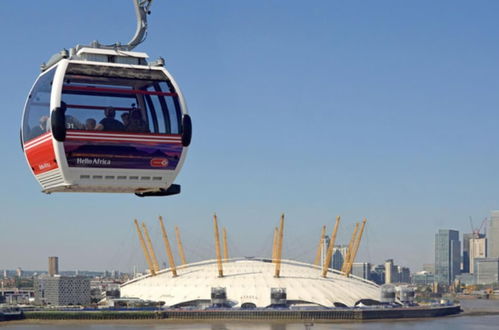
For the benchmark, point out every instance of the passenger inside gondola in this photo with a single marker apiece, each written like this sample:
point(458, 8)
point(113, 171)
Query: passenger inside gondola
point(125, 118)
point(122, 104)
point(110, 123)
point(136, 123)
point(41, 128)
point(90, 124)
point(73, 123)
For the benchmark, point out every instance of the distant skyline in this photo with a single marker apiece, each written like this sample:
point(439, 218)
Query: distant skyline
point(385, 110)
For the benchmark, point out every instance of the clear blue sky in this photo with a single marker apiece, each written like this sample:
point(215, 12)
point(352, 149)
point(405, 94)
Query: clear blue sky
point(383, 109)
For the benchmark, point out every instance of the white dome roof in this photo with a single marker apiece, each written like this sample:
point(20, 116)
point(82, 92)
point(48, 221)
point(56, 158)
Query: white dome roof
point(250, 281)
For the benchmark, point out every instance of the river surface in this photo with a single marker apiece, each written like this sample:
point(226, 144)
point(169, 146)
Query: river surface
point(471, 319)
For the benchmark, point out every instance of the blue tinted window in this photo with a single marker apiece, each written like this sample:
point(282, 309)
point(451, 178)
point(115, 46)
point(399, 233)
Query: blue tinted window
point(120, 104)
point(36, 115)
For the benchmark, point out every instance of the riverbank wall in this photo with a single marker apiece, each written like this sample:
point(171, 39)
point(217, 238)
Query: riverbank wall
point(356, 314)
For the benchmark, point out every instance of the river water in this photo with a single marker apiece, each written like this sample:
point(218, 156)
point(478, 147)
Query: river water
point(471, 319)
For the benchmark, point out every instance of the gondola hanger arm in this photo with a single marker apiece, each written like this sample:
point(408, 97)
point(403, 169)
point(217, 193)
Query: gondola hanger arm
point(142, 9)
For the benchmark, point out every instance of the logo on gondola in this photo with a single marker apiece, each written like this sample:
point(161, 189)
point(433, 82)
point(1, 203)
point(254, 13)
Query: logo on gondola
point(43, 166)
point(159, 162)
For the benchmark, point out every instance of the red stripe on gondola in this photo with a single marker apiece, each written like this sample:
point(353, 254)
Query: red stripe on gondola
point(114, 90)
point(127, 134)
point(95, 107)
point(41, 158)
point(123, 140)
point(37, 139)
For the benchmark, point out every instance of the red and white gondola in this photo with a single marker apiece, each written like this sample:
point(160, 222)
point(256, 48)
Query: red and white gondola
point(104, 120)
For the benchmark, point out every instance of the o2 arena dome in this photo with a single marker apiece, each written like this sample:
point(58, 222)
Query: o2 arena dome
point(251, 282)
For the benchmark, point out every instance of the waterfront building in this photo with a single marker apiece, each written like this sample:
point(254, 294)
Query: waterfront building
point(105, 287)
point(466, 279)
point(477, 249)
point(14, 296)
point(53, 266)
point(487, 270)
point(423, 278)
point(62, 290)
point(447, 256)
point(493, 235)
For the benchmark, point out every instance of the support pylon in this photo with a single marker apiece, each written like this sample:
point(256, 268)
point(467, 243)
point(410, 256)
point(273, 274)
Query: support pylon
point(279, 248)
point(330, 248)
point(168, 249)
point(217, 246)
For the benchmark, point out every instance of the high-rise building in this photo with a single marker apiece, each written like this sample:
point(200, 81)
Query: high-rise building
point(487, 270)
point(362, 269)
point(53, 266)
point(19, 272)
point(493, 235)
point(404, 274)
point(466, 252)
point(378, 274)
point(447, 256)
point(339, 254)
point(390, 272)
point(478, 249)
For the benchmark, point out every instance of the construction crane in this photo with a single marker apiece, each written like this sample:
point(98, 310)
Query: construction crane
point(476, 231)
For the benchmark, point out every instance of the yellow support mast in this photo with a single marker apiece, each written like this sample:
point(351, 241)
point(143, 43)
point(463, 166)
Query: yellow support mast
point(330, 248)
point(217, 247)
point(168, 249)
point(180, 246)
point(317, 260)
point(274, 244)
point(350, 246)
point(279, 248)
point(151, 248)
point(144, 248)
point(355, 248)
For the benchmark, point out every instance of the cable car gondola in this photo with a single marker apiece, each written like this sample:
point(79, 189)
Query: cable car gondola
point(103, 119)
